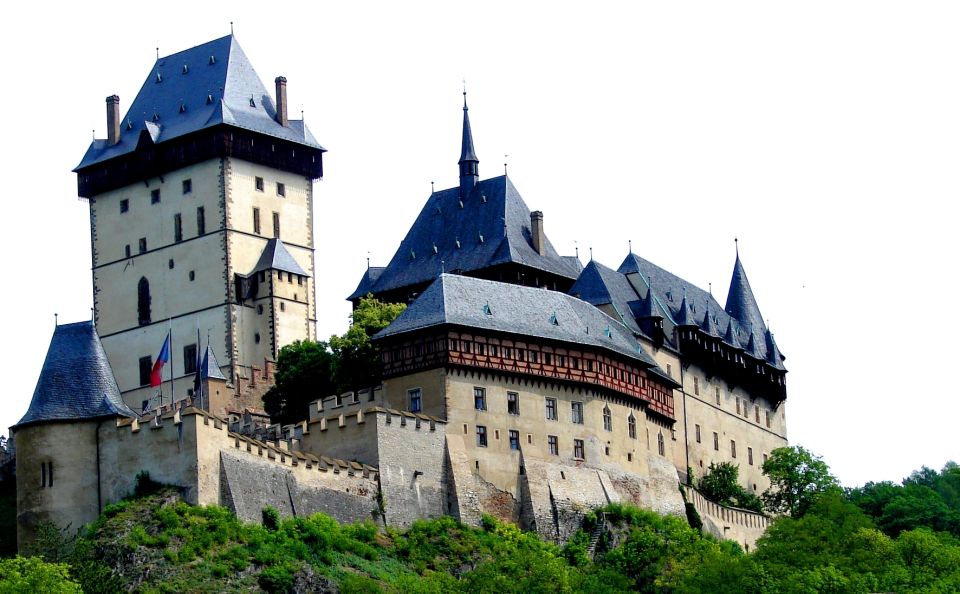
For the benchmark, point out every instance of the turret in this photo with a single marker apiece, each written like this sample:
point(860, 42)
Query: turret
point(469, 170)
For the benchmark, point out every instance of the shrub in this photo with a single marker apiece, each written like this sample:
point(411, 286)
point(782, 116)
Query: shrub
point(271, 518)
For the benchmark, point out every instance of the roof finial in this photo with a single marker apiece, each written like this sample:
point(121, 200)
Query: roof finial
point(505, 164)
point(443, 268)
point(91, 314)
point(94, 134)
point(368, 260)
point(431, 188)
point(158, 53)
point(736, 246)
point(231, 27)
point(576, 249)
point(591, 253)
point(630, 245)
point(56, 318)
point(710, 288)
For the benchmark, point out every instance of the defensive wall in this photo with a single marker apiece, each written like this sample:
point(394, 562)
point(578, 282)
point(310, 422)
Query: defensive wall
point(729, 523)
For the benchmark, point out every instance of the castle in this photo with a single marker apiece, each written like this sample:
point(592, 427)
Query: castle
point(517, 382)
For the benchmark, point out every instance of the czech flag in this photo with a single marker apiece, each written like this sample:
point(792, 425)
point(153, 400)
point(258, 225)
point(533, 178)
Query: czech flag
point(164, 357)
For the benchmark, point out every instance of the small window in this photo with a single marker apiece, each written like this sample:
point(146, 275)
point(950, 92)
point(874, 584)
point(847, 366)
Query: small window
point(698, 432)
point(480, 398)
point(632, 426)
point(126, 250)
point(187, 186)
point(578, 449)
point(513, 403)
point(768, 418)
point(756, 410)
point(143, 301)
point(258, 183)
point(481, 436)
point(192, 275)
point(750, 456)
point(263, 276)
point(764, 458)
point(143, 244)
point(716, 441)
point(190, 358)
point(514, 440)
point(415, 396)
point(201, 221)
point(733, 449)
point(576, 413)
point(170, 263)
point(661, 446)
point(260, 309)
point(276, 225)
point(738, 406)
point(256, 220)
point(717, 390)
point(256, 338)
point(607, 419)
point(146, 366)
point(124, 205)
point(299, 279)
point(155, 196)
point(551, 409)
point(696, 386)
point(283, 306)
point(552, 445)
point(177, 228)
point(281, 189)
point(669, 370)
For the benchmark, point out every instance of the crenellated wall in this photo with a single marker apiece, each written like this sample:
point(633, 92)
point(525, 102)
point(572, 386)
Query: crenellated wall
point(730, 523)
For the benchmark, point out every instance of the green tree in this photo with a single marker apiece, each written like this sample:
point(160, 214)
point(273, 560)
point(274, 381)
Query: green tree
point(33, 574)
point(797, 479)
point(358, 363)
point(721, 484)
point(305, 371)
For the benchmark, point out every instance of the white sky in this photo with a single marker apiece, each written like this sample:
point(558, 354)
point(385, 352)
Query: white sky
point(825, 135)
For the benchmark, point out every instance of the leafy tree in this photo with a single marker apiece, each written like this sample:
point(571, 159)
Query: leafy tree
point(33, 574)
point(721, 484)
point(797, 479)
point(304, 373)
point(358, 360)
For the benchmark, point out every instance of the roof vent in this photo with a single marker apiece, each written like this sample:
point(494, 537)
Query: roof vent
point(481, 237)
point(461, 203)
point(439, 211)
point(252, 102)
point(129, 124)
point(183, 107)
point(483, 198)
point(159, 77)
point(209, 98)
point(156, 116)
point(608, 333)
point(487, 310)
point(434, 248)
point(413, 255)
point(213, 60)
point(457, 243)
point(554, 320)
point(185, 69)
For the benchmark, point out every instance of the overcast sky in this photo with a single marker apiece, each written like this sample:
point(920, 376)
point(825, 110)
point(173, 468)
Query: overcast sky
point(825, 135)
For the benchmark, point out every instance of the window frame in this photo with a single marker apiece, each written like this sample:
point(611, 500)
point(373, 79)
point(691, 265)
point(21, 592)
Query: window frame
point(482, 440)
point(551, 409)
point(415, 400)
point(479, 398)
point(576, 412)
point(579, 451)
point(513, 403)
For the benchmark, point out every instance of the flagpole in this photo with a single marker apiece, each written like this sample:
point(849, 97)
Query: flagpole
point(172, 391)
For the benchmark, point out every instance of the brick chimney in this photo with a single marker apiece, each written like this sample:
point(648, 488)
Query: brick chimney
point(536, 232)
point(282, 101)
point(113, 120)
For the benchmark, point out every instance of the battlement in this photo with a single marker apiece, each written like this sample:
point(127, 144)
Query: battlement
point(345, 400)
point(301, 459)
point(731, 523)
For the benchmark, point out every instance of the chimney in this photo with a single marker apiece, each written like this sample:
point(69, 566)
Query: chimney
point(282, 101)
point(113, 120)
point(536, 232)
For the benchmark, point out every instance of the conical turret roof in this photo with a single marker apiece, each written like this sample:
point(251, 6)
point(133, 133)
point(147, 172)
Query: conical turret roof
point(730, 336)
point(741, 304)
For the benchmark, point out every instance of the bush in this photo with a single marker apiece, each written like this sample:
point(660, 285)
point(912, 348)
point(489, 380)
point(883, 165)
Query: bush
point(276, 578)
point(33, 574)
point(271, 518)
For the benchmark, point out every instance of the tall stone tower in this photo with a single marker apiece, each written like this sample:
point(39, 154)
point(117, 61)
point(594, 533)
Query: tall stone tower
point(201, 218)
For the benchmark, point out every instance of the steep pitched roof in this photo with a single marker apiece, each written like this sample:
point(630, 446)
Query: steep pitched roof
point(210, 367)
point(741, 304)
point(205, 86)
point(275, 256)
point(514, 309)
point(368, 281)
point(76, 381)
point(489, 227)
point(600, 285)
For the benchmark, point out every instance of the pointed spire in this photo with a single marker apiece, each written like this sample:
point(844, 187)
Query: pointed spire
point(709, 325)
point(774, 357)
point(741, 304)
point(752, 349)
point(685, 315)
point(648, 307)
point(469, 164)
point(731, 336)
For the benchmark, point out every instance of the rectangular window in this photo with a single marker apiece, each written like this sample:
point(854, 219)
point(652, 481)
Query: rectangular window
point(513, 403)
point(576, 412)
point(124, 205)
point(281, 189)
point(415, 397)
point(716, 441)
point(256, 220)
point(154, 196)
point(258, 183)
point(190, 358)
point(750, 456)
point(514, 440)
point(187, 186)
point(551, 409)
point(696, 386)
point(768, 418)
point(201, 221)
point(552, 445)
point(480, 398)
point(276, 225)
point(738, 406)
point(126, 252)
point(733, 449)
point(481, 436)
point(698, 432)
point(146, 366)
point(669, 370)
point(632, 427)
point(756, 410)
point(578, 449)
point(718, 395)
point(143, 244)
point(764, 458)
point(607, 419)
point(177, 227)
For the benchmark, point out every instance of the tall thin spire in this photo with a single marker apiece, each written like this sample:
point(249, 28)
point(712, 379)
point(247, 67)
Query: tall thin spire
point(469, 174)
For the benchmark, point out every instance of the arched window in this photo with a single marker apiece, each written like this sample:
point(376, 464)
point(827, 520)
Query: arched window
point(607, 419)
point(143, 301)
point(632, 426)
point(660, 444)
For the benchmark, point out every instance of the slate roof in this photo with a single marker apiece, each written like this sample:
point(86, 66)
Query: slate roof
point(275, 256)
point(492, 227)
point(210, 367)
point(76, 381)
point(600, 285)
point(741, 304)
point(514, 309)
point(368, 281)
point(205, 86)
